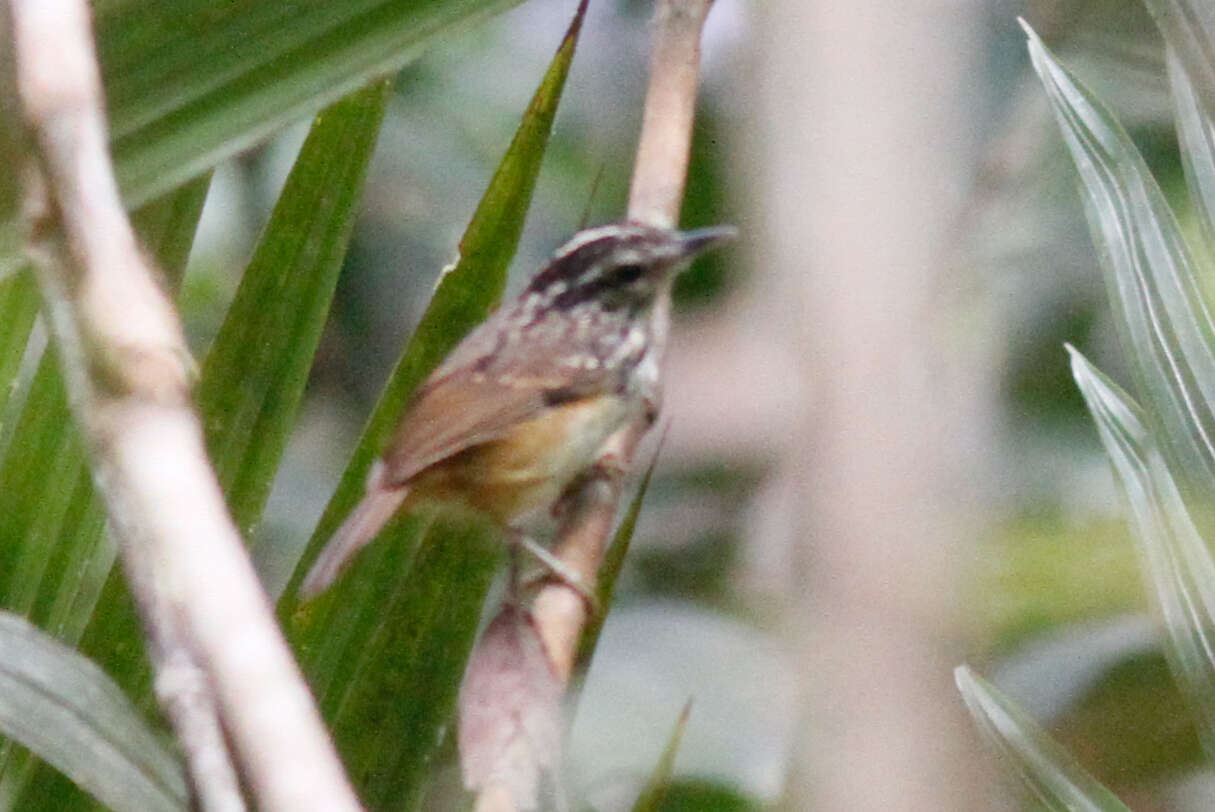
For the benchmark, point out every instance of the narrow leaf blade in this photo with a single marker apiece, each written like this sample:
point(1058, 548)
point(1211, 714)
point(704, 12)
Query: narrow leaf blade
point(1189, 28)
point(18, 309)
point(1048, 770)
point(166, 227)
point(254, 376)
point(1176, 562)
point(46, 500)
point(398, 704)
point(12, 145)
point(655, 790)
point(65, 709)
point(609, 570)
point(192, 82)
point(1165, 325)
point(50, 523)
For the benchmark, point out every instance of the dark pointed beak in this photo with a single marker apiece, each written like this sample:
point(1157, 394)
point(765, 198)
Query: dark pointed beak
point(702, 239)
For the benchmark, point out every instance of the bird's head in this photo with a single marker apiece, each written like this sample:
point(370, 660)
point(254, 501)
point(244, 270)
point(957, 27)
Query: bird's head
point(623, 265)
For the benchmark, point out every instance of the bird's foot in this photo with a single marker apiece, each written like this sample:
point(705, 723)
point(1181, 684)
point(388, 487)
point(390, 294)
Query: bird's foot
point(557, 569)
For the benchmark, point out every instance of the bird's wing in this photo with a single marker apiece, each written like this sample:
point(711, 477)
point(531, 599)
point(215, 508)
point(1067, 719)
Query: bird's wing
point(475, 398)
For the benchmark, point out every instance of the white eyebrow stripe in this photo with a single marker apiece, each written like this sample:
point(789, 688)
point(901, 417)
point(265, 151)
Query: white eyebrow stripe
point(590, 235)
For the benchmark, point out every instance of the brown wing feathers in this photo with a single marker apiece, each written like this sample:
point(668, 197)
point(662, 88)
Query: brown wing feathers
point(465, 403)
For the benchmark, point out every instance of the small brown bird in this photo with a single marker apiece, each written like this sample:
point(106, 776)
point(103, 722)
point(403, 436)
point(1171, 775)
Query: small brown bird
point(528, 400)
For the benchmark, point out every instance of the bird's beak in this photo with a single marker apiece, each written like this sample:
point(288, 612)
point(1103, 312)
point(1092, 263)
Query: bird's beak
point(702, 239)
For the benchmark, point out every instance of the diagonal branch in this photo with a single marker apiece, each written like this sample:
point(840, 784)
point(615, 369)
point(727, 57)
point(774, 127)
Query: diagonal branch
point(219, 656)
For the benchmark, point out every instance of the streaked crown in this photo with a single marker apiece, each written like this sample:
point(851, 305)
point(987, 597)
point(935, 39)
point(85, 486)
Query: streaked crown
point(620, 265)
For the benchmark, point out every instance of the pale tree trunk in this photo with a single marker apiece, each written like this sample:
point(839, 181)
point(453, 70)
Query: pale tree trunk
point(867, 141)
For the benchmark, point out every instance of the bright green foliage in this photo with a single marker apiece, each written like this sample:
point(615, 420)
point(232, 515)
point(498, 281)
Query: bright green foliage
point(12, 145)
point(166, 228)
point(465, 295)
point(18, 307)
point(192, 82)
point(254, 376)
point(701, 795)
point(187, 84)
point(405, 679)
point(47, 501)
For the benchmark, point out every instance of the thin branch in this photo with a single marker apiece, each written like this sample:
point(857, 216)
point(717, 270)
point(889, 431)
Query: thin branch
point(189, 704)
point(505, 756)
point(659, 175)
point(214, 640)
point(663, 150)
point(560, 613)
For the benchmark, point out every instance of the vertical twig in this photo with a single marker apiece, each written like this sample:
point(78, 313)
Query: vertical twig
point(502, 729)
point(218, 654)
point(189, 705)
point(656, 194)
point(560, 613)
point(665, 145)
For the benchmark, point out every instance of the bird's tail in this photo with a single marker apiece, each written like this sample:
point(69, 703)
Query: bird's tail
point(360, 527)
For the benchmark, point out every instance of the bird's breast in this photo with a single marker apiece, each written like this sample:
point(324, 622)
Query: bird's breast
point(530, 466)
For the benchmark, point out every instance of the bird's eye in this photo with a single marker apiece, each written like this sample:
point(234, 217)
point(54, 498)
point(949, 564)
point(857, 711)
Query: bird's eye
point(628, 274)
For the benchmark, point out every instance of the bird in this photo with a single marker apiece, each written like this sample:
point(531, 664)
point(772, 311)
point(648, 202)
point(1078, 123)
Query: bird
point(530, 399)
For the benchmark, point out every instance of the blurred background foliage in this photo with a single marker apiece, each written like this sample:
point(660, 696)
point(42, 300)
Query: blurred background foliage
point(1057, 604)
